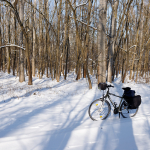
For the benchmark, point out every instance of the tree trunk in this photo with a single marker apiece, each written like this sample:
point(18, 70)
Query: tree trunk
point(127, 47)
point(28, 61)
point(8, 40)
point(40, 42)
point(58, 42)
point(51, 66)
point(66, 37)
point(136, 43)
point(21, 55)
point(101, 42)
point(47, 38)
point(111, 41)
point(34, 38)
point(87, 46)
point(14, 53)
point(68, 46)
point(0, 42)
point(141, 45)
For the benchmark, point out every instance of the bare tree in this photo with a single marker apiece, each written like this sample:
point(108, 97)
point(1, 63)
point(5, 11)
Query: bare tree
point(70, 35)
point(34, 39)
point(21, 55)
point(114, 5)
point(101, 41)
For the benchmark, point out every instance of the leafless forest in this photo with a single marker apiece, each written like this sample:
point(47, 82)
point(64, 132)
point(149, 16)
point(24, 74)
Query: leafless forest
point(90, 37)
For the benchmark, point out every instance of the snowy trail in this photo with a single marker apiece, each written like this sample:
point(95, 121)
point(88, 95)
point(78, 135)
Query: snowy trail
point(96, 136)
point(54, 116)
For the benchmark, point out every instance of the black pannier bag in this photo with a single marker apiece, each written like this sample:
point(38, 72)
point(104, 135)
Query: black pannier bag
point(129, 93)
point(102, 86)
point(134, 102)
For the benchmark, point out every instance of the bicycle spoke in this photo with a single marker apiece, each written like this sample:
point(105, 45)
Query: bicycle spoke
point(99, 110)
point(126, 112)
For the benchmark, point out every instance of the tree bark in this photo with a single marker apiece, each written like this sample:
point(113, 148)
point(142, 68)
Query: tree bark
point(34, 40)
point(40, 42)
point(111, 41)
point(66, 67)
point(14, 53)
point(141, 45)
point(136, 43)
point(66, 37)
point(101, 42)
point(87, 45)
point(8, 40)
point(0, 41)
point(21, 55)
point(58, 42)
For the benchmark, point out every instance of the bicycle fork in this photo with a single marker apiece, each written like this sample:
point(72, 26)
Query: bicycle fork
point(99, 110)
point(103, 101)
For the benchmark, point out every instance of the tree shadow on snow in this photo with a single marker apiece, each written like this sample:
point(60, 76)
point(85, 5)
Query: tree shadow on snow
point(54, 137)
point(59, 137)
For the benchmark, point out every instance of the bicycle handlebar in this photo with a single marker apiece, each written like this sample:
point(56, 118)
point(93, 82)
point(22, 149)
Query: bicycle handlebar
point(110, 86)
point(103, 86)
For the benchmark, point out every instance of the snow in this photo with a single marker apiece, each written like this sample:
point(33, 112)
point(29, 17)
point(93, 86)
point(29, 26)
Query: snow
point(50, 115)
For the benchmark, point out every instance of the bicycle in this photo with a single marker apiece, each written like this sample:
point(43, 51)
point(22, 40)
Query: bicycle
point(100, 109)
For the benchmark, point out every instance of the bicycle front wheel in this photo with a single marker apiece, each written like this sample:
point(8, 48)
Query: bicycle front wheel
point(99, 109)
point(126, 112)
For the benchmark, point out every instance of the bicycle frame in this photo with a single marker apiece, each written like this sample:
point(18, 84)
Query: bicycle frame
point(108, 95)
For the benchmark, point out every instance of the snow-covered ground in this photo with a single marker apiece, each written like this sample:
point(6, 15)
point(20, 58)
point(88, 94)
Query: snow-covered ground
point(52, 115)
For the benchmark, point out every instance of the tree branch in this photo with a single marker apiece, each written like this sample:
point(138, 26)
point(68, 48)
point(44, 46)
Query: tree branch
point(17, 16)
point(81, 5)
point(12, 45)
point(85, 23)
point(43, 17)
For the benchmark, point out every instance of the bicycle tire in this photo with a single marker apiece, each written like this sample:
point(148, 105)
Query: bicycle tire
point(127, 113)
point(96, 114)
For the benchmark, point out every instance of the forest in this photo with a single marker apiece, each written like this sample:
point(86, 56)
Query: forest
point(74, 74)
point(101, 38)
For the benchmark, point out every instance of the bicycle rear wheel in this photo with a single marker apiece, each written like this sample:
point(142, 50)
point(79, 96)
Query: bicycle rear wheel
point(126, 112)
point(99, 109)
